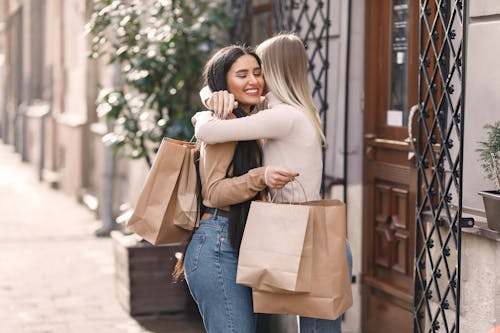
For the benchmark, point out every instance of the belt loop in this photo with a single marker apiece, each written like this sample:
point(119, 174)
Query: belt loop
point(216, 213)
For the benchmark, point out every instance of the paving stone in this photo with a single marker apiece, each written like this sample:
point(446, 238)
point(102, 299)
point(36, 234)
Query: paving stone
point(56, 277)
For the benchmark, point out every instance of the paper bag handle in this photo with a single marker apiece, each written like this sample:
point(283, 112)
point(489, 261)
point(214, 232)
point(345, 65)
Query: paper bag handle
point(293, 192)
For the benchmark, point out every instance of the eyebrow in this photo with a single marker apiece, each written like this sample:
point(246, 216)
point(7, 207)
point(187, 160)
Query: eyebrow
point(241, 71)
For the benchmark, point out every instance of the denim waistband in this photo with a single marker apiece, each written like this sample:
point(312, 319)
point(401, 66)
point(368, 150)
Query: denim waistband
point(216, 213)
point(216, 221)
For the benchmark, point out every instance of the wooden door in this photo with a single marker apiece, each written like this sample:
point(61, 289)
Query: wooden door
point(389, 192)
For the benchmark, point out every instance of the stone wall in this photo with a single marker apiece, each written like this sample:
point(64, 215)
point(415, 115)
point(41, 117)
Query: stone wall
point(480, 289)
point(482, 100)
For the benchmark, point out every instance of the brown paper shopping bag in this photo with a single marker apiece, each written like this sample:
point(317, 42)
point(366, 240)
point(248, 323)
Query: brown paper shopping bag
point(186, 208)
point(276, 249)
point(167, 206)
point(331, 294)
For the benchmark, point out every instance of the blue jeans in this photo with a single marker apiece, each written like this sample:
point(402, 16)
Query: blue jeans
point(210, 266)
point(313, 325)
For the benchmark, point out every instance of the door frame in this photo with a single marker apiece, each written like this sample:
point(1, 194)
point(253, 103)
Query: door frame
point(383, 139)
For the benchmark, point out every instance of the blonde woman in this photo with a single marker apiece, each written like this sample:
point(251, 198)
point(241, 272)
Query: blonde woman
point(290, 129)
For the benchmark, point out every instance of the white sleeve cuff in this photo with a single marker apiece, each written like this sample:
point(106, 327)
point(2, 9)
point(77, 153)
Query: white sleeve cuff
point(205, 93)
point(265, 176)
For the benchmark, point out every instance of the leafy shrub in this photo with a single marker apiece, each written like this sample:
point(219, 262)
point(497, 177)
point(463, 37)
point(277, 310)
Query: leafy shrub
point(489, 153)
point(160, 47)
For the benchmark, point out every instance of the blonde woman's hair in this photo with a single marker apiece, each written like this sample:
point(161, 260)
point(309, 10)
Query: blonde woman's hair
point(284, 63)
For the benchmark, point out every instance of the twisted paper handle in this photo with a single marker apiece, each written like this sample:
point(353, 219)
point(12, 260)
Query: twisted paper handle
point(280, 191)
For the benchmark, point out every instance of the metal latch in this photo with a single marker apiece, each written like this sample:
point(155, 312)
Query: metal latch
point(466, 222)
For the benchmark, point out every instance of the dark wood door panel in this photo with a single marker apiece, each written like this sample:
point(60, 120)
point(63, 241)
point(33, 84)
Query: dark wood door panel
point(391, 256)
point(389, 191)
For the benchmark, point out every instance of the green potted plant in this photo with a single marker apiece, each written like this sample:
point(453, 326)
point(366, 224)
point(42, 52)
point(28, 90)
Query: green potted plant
point(489, 156)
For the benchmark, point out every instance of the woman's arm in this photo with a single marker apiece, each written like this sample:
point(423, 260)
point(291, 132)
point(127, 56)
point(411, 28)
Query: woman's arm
point(229, 191)
point(220, 191)
point(266, 124)
point(225, 192)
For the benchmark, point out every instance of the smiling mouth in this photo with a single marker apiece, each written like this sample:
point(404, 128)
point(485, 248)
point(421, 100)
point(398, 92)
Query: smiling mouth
point(252, 91)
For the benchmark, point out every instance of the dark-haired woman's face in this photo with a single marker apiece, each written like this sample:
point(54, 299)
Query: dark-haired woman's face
point(245, 81)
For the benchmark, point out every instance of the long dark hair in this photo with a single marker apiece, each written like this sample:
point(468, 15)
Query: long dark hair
point(248, 154)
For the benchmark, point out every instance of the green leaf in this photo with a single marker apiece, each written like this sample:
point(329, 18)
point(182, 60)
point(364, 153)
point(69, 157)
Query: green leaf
point(161, 46)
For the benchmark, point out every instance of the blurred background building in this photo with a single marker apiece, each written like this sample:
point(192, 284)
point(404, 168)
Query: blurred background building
point(370, 62)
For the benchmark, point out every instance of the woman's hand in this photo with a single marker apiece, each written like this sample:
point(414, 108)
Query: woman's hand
point(277, 178)
point(222, 103)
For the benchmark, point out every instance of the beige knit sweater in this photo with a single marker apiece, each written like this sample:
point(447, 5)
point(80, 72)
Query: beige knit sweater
point(290, 141)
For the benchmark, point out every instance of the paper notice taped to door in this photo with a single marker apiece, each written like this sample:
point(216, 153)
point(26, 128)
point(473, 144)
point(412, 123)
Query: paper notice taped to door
point(394, 118)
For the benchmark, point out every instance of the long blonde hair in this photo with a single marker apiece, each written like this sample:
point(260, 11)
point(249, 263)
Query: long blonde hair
point(284, 63)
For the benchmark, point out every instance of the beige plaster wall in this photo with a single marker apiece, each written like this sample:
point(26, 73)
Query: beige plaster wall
point(480, 289)
point(482, 102)
point(483, 7)
point(355, 155)
point(75, 58)
point(69, 156)
point(70, 106)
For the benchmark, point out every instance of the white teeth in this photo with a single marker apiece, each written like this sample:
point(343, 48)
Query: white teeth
point(252, 91)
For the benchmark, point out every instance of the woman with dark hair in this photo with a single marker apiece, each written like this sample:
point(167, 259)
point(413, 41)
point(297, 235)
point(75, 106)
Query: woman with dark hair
point(231, 177)
point(290, 128)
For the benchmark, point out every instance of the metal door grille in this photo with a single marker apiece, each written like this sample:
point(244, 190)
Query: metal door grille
point(439, 163)
point(241, 33)
point(310, 20)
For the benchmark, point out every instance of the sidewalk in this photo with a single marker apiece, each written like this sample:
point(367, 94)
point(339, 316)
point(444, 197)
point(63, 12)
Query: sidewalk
point(55, 276)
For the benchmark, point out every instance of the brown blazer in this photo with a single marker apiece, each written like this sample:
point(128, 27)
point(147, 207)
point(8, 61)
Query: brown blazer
point(219, 191)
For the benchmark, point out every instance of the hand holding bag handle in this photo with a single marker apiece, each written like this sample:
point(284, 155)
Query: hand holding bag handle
point(270, 263)
point(331, 293)
point(273, 198)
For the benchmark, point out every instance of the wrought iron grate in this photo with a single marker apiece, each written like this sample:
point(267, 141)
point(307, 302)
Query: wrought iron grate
point(242, 30)
point(310, 20)
point(439, 163)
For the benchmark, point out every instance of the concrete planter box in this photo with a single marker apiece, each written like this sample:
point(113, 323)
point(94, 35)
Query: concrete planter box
point(143, 278)
point(491, 200)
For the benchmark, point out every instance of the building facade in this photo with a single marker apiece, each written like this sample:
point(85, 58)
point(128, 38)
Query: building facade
point(367, 76)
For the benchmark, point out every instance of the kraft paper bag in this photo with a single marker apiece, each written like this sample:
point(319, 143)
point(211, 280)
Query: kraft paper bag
point(167, 206)
point(276, 249)
point(331, 293)
point(186, 212)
